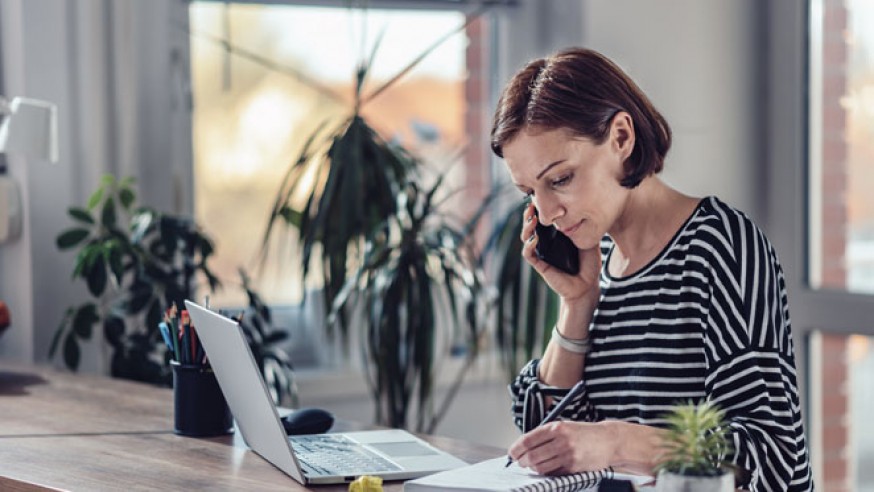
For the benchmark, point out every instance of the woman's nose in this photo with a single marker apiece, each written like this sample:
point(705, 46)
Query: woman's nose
point(547, 211)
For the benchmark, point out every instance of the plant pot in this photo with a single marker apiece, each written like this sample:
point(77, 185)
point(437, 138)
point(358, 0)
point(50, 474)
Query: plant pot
point(672, 482)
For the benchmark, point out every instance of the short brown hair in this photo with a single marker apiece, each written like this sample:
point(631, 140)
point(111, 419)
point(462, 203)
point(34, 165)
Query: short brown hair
point(581, 90)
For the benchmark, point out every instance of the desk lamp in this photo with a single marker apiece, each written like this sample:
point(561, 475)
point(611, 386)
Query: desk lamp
point(29, 129)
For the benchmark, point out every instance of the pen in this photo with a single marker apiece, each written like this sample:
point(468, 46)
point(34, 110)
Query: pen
point(557, 409)
point(174, 325)
point(165, 334)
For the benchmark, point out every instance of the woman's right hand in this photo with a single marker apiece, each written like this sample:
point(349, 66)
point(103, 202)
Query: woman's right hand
point(573, 289)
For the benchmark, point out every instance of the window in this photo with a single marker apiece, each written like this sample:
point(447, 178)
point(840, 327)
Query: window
point(842, 146)
point(840, 253)
point(285, 70)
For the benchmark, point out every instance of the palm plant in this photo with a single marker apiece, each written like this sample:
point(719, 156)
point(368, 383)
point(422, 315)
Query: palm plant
point(420, 269)
point(364, 219)
point(354, 177)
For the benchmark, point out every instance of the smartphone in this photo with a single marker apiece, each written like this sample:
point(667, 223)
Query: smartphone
point(556, 249)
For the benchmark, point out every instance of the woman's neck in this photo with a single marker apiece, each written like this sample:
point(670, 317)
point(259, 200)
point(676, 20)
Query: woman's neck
point(652, 215)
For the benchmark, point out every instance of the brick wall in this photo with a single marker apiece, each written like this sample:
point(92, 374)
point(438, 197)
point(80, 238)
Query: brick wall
point(834, 448)
point(477, 119)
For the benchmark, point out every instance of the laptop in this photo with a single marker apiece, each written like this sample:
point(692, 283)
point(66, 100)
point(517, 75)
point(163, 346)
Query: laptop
point(311, 459)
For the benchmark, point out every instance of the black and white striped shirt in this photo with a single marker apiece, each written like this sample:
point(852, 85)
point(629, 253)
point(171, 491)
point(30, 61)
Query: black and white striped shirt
point(707, 318)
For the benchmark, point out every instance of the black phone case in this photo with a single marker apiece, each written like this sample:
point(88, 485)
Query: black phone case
point(557, 249)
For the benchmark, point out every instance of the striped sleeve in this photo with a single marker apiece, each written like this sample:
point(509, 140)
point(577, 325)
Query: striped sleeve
point(748, 352)
point(527, 392)
point(529, 407)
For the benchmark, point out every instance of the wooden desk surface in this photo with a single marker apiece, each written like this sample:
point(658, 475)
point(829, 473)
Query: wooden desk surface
point(85, 432)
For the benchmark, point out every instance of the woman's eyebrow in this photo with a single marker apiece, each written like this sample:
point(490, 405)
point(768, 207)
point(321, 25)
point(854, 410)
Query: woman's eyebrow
point(548, 167)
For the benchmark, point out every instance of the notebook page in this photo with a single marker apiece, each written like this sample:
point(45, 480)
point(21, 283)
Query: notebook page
point(491, 475)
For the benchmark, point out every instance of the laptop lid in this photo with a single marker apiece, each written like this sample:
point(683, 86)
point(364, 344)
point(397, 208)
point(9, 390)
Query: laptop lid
point(258, 420)
point(240, 380)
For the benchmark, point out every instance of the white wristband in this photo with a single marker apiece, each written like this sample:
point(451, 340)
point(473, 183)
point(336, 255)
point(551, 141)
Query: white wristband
point(577, 346)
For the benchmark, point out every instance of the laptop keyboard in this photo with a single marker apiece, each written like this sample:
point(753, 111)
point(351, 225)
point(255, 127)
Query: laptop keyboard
point(332, 454)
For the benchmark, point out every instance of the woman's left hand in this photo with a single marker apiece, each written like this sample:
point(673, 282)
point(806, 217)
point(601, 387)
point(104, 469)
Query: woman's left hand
point(560, 448)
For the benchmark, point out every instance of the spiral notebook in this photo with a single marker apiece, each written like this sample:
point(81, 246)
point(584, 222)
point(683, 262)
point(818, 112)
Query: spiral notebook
point(492, 476)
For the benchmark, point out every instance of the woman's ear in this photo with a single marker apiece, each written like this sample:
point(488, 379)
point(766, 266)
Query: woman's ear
point(622, 134)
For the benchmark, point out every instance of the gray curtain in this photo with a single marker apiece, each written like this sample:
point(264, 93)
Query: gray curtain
point(119, 72)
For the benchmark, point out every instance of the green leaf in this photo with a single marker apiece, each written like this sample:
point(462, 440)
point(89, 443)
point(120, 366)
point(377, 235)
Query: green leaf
point(84, 319)
point(126, 196)
point(71, 352)
point(290, 216)
point(59, 331)
point(108, 214)
point(113, 330)
point(364, 68)
point(96, 277)
point(204, 244)
point(95, 199)
point(80, 214)
point(71, 238)
point(211, 279)
point(85, 259)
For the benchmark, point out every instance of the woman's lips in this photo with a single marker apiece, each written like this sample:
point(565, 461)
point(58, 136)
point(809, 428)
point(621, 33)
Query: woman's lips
point(572, 229)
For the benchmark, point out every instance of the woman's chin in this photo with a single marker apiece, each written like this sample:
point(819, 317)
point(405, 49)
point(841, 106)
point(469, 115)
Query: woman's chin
point(586, 242)
point(584, 238)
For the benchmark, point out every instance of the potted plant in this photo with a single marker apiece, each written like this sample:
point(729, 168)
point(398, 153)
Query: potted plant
point(136, 262)
point(364, 220)
point(423, 269)
point(696, 444)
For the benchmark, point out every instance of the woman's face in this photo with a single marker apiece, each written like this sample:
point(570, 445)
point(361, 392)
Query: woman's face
point(573, 182)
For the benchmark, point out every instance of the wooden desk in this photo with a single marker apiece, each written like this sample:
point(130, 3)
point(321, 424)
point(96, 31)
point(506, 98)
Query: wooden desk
point(84, 432)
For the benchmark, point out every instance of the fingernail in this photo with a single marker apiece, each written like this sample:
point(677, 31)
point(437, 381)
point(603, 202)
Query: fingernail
point(531, 238)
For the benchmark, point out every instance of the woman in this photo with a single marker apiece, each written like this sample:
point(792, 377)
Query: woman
point(677, 297)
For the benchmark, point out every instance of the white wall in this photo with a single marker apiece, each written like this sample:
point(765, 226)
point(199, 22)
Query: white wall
point(116, 69)
point(700, 61)
point(34, 277)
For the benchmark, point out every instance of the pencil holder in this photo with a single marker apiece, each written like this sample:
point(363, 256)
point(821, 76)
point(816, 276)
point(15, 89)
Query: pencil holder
point(200, 407)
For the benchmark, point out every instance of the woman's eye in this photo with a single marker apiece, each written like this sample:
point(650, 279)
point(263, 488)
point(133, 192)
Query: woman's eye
point(561, 180)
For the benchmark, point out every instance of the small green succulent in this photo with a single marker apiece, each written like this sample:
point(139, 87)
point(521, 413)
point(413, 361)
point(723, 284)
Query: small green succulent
point(697, 440)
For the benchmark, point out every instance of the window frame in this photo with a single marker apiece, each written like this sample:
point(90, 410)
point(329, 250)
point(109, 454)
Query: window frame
point(789, 116)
